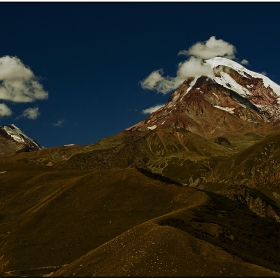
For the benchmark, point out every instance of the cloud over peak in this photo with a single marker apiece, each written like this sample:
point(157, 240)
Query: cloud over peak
point(193, 67)
point(210, 48)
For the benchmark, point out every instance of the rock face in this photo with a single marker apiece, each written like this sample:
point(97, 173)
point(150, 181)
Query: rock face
point(255, 200)
point(13, 140)
point(230, 101)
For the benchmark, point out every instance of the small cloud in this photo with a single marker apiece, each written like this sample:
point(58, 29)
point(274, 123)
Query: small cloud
point(210, 48)
point(264, 73)
point(31, 113)
point(132, 110)
point(18, 83)
point(244, 62)
point(152, 109)
point(5, 111)
point(152, 80)
point(59, 123)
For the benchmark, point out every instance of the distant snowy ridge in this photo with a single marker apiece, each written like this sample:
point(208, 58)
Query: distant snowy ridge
point(19, 136)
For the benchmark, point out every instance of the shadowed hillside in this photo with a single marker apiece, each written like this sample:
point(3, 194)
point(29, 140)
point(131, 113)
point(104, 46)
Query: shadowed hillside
point(49, 218)
point(65, 222)
point(212, 237)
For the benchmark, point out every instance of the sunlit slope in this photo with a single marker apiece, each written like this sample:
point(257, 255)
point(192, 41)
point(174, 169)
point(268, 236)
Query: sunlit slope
point(175, 153)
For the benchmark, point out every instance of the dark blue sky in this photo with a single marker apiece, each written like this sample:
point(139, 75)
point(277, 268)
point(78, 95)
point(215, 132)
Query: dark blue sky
point(90, 57)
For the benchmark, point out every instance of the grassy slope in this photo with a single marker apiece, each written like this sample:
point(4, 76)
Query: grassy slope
point(151, 250)
point(257, 167)
point(113, 221)
point(212, 237)
point(180, 155)
point(50, 218)
point(119, 222)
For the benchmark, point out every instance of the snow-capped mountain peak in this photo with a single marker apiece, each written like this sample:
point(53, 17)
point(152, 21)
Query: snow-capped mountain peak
point(230, 97)
point(221, 61)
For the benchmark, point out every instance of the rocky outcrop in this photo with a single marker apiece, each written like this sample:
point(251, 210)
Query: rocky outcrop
point(255, 200)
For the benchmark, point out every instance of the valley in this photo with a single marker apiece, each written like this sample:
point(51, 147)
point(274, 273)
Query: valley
point(190, 191)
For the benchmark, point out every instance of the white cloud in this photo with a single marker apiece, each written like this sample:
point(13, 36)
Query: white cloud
point(31, 113)
point(152, 109)
point(244, 62)
point(152, 80)
point(210, 48)
point(59, 122)
point(18, 83)
point(4, 110)
point(193, 67)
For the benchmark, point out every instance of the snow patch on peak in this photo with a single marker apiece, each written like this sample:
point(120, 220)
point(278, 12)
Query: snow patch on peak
point(18, 135)
point(215, 95)
point(152, 127)
point(14, 132)
point(249, 86)
point(192, 83)
point(228, 82)
point(227, 109)
point(221, 61)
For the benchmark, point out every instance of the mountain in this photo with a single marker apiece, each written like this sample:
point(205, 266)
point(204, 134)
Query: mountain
point(13, 140)
point(206, 120)
point(191, 191)
point(231, 100)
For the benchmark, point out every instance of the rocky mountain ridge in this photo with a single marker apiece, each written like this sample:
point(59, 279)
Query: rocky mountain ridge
point(13, 140)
